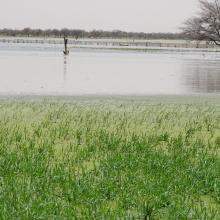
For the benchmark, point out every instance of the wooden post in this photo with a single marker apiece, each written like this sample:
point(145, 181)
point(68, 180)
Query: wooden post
point(66, 51)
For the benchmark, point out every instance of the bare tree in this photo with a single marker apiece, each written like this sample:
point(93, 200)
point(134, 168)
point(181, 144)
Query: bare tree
point(206, 25)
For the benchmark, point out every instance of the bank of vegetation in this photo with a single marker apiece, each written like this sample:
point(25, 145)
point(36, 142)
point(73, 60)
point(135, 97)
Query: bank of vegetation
point(109, 158)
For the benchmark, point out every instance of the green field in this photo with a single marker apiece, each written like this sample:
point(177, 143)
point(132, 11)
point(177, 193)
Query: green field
point(110, 158)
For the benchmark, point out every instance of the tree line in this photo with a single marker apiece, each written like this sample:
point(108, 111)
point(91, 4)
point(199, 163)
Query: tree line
point(76, 33)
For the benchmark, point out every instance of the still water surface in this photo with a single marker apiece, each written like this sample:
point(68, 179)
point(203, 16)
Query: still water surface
point(93, 72)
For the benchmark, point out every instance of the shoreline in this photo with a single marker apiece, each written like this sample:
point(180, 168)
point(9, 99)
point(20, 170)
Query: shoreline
point(115, 44)
point(194, 99)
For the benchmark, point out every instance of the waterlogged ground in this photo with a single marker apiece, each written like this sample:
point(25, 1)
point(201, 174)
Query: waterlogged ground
point(43, 70)
point(112, 158)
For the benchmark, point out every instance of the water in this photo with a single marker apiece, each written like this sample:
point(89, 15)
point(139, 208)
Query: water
point(30, 71)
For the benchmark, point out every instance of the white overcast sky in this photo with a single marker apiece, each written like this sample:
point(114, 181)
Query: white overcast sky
point(128, 15)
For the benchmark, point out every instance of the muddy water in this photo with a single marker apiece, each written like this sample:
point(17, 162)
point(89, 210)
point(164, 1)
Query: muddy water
point(83, 72)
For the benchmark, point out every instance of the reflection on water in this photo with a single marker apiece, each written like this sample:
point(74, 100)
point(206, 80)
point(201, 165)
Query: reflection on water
point(64, 67)
point(202, 77)
point(96, 72)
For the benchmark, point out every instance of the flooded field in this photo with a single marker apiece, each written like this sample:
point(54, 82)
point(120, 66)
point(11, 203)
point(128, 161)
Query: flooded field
point(45, 71)
point(109, 157)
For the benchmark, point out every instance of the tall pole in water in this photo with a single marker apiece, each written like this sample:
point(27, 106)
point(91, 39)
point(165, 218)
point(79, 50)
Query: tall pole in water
point(66, 51)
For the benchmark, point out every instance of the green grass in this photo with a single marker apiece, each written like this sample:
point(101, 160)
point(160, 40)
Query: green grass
point(110, 158)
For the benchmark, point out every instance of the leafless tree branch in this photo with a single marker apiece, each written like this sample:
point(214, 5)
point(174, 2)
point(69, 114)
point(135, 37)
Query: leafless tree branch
point(206, 25)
